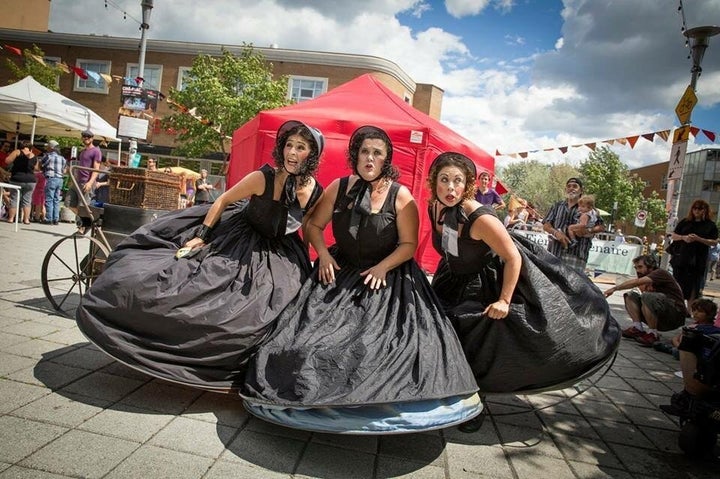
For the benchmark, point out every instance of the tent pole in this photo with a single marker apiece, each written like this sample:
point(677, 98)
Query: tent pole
point(32, 135)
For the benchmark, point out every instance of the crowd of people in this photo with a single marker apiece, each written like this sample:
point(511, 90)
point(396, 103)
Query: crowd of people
point(45, 187)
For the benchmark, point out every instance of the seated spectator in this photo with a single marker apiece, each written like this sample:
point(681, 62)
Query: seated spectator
point(703, 312)
point(518, 214)
point(659, 305)
point(698, 352)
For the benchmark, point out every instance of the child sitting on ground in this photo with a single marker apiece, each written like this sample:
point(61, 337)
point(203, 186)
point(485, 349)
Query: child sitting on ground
point(703, 312)
point(588, 218)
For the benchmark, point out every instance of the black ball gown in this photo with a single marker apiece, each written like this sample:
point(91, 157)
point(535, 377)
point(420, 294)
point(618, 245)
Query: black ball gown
point(196, 321)
point(559, 327)
point(346, 359)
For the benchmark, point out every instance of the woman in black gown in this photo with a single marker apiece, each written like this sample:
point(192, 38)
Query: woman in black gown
point(196, 319)
point(363, 349)
point(526, 322)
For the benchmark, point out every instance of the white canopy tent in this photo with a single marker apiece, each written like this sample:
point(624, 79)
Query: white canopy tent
point(28, 107)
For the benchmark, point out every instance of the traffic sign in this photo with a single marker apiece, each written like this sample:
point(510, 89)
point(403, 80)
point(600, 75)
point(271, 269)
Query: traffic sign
point(686, 104)
point(640, 218)
point(677, 160)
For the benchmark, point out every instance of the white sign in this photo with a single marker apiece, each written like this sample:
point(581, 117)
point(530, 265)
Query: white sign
point(133, 127)
point(416, 136)
point(677, 160)
point(640, 218)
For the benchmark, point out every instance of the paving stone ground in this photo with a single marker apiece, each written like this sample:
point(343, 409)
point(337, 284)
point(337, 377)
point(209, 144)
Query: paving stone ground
point(68, 410)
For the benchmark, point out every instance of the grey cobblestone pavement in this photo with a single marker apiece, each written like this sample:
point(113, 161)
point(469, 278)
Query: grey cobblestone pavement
point(68, 410)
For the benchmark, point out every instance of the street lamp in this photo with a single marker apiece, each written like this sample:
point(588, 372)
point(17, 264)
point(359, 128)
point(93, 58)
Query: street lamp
point(147, 6)
point(699, 38)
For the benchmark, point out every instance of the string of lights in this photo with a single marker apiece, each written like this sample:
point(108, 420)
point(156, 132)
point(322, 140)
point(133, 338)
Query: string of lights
point(126, 14)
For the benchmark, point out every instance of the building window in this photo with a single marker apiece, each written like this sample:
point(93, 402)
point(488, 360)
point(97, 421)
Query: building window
point(183, 75)
point(664, 183)
point(407, 98)
point(306, 88)
point(93, 84)
point(53, 62)
point(152, 75)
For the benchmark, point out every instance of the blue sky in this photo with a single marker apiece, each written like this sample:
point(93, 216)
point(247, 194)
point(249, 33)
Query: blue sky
point(518, 75)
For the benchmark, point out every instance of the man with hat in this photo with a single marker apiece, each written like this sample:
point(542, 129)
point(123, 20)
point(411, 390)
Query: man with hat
point(89, 157)
point(53, 166)
point(563, 214)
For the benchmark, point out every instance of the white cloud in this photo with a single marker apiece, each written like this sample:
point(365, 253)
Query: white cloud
point(615, 68)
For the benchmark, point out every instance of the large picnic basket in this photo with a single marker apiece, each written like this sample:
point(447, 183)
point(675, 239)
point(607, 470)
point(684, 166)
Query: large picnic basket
point(142, 188)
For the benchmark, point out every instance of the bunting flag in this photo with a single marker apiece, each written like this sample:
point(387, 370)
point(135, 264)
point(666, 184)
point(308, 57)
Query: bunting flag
point(62, 66)
point(108, 79)
point(36, 58)
point(625, 141)
point(79, 72)
point(12, 49)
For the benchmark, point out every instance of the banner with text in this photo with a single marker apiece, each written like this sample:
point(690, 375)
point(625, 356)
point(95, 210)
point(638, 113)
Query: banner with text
point(609, 256)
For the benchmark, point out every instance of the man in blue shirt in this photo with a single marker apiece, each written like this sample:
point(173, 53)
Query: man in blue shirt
point(488, 196)
point(53, 167)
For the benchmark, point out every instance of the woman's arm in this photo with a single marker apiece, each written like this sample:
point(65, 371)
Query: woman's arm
point(407, 225)
point(252, 184)
point(11, 157)
point(313, 230)
point(489, 229)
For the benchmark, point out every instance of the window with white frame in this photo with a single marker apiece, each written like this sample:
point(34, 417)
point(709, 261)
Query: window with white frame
point(152, 75)
point(93, 84)
point(53, 62)
point(306, 88)
point(183, 76)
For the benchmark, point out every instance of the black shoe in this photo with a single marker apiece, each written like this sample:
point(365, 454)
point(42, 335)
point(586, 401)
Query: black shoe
point(473, 425)
point(47, 222)
point(55, 223)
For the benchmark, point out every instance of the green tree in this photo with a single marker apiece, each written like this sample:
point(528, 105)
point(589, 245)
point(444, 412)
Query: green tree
point(606, 177)
point(44, 73)
point(539, 183)
point(223, 92)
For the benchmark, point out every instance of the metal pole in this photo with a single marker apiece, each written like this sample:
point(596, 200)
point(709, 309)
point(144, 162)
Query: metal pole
point(700, 40)
point(147, 6)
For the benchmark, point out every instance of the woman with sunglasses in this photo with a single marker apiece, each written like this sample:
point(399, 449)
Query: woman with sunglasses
point(692, 237)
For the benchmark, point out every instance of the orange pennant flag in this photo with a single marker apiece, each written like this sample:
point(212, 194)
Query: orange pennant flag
point(649, 136)
point(632, 140)
point(694, 130)
point(591, 146)
point(524, 154)
point(665, 134)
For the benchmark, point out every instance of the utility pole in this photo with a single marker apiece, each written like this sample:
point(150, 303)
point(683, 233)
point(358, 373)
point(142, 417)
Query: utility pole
point(147, 6)
point(699, 38)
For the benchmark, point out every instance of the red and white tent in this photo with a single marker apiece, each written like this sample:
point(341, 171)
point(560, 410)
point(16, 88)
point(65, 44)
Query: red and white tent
point(417, 139)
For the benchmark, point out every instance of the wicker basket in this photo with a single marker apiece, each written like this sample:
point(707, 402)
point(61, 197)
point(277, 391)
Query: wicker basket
point(141, 188)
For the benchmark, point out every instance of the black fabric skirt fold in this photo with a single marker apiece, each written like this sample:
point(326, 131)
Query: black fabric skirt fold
point(345, 345)
point(193, 320)
point(559, 327)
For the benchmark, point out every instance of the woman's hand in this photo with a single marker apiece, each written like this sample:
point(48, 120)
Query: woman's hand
point(326, 269)
point(375, 277)
point(195, 243)
point(497, 310)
